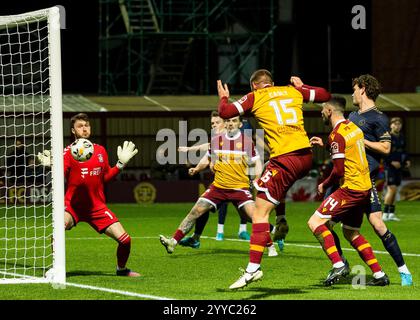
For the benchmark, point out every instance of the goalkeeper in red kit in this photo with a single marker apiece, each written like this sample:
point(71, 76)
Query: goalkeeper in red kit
point(85, 198)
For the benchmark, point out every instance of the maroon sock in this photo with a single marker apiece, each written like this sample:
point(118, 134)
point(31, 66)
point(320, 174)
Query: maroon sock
point(259, 238)
point(326, 239)
point(366, 253)
point(178, 235)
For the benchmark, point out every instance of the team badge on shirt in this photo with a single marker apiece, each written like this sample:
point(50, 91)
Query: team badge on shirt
point(100, 158)
point(334, 147)
point(243, 99)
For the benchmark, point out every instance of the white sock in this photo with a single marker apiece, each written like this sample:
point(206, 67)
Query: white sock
point(274, 230)
point(338, 264)
point(242, 227)
point(176, 242)
point(220, 228)
point(252, 267)
point(404, 269)
point(378, 274)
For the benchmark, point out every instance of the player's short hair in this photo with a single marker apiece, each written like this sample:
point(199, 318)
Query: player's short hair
point(261, 76)
point(370, 83)
point(338, 102)
point(214, 114)
point(80, 116)
point(396, 119)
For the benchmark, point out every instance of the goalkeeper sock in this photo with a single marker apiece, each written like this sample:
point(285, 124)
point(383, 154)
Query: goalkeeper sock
point(123, 250)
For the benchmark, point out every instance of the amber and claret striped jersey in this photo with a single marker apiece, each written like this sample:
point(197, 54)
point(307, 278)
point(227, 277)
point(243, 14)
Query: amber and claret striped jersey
point(278, 110)
point(232, 157)
point(346, 142)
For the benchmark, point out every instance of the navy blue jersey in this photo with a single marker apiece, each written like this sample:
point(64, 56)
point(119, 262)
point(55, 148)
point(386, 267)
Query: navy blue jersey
point(375, 127)
point(397, 150)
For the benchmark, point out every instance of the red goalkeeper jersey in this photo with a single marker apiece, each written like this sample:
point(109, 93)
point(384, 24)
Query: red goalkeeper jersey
point(85, 180)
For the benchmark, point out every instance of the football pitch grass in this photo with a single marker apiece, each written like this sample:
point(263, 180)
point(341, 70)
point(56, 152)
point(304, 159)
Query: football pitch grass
point(206, 273)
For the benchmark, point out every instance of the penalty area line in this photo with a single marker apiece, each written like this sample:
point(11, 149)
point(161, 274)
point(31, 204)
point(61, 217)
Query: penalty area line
point(115, 291)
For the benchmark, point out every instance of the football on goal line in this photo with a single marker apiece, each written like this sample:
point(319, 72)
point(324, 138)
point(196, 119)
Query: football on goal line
point(82, 149)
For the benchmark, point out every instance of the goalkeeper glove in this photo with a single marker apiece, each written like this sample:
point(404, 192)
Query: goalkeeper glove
point(125, 153)
point(45, 158)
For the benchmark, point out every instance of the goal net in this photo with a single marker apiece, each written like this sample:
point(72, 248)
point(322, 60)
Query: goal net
point(31, 196)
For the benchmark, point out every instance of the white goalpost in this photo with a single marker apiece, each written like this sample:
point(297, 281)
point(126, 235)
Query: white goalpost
point(32, 243)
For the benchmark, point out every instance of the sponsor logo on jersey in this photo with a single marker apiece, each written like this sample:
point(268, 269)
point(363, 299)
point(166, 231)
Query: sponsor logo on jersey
point(96, 171)
point(84, 171)
point(243, 99)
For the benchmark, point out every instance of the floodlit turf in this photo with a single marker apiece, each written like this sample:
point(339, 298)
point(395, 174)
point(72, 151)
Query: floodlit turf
point(206, 273)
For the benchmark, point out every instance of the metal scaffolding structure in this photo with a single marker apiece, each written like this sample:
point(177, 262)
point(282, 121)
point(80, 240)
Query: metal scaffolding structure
point(179, 47)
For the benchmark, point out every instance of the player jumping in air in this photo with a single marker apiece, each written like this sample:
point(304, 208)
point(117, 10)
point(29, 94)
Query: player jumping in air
point(278, 109)
point(85, 198)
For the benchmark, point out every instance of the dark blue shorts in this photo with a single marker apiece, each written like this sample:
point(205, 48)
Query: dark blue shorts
point(393, 176)
point(375, 203)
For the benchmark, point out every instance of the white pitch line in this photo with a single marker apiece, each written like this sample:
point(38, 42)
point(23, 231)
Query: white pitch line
point(319, 247)
point(121, 292)
point(157, 103)
point(240, 240)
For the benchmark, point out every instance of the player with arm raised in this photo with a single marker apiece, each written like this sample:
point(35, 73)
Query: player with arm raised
point(85, 198)
point(375, 127)
point(278, 110)
point(349, 202)
point(217, 127)
point(230, 154)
